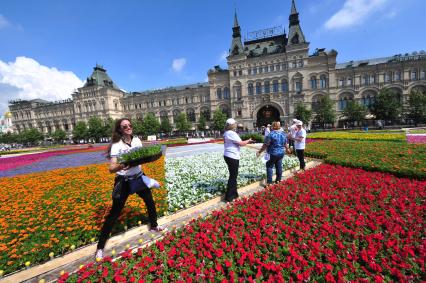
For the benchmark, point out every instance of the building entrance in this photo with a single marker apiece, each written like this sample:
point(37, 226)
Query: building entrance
point(266, 115)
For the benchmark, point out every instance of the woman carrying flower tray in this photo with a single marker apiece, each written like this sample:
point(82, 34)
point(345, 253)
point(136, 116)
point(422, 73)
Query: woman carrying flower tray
point(124, 161)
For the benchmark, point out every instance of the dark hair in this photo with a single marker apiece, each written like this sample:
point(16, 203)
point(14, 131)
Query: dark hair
point(117, 135)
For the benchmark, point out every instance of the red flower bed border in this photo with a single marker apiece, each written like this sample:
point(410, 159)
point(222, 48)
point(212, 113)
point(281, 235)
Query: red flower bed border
point(329, 224)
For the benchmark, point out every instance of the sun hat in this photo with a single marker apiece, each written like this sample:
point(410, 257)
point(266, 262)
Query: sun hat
point(231, 121)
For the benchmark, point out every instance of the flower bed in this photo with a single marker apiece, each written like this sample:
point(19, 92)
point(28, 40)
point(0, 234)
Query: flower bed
point(358, 136)
point(191, 180)
point(416, 138)
point(329, 224)
point(58, 210)
point(401, 159)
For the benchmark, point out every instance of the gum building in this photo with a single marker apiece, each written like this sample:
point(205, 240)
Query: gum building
point(269, 72)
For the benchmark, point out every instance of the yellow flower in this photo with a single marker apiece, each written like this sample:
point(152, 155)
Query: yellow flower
point(27, 263)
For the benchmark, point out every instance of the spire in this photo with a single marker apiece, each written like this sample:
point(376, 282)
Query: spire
point(236, 45)
point(295, 34)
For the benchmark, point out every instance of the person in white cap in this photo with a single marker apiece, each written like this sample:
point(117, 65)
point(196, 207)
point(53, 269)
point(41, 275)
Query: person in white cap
point(232, 143)
point(291, 133)
point(299, 144)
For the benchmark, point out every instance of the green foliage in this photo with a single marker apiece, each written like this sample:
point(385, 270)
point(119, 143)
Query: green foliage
point(219, 120)
point(302, 113)
point(387, 105)
point(417, 106)
point(150, 125)
point(202, 123)
point(8, 138)
point(354, 112)
point(108, 126)
point(138, 127)
point(181, 123)
point(254, 136)
point(325, 113)
point(165, 125)
point(31, 136)
point(96, 128)
point(80, 131)
point(59, 135)
point(139, 153)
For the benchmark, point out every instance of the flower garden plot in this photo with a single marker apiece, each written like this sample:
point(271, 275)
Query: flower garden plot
point(194, 179)
point(377, 136)
point(58, 210)
point(401, 159)
point(329, 224)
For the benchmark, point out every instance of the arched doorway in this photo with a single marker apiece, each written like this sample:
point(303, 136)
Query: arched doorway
point(266, 115)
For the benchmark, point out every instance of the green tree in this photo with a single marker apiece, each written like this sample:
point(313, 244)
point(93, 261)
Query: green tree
point(202, 123)
point(80, 131)
point(417, 106)
point(302, 113)
point(182, 124)
point(8, 138)
point(96, 128)
point(32, 136)
point(325, 114)
point(354, 112)
point(387, 105)
point(219, 120)
point(107, 128)
point(138, 127)
point(165, 125)
point(59, 135)
point(150, 125)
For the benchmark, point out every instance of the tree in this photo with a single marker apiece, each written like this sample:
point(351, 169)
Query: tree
point(182, 124)
point(219, 120)
point(302, 113)
point(80, 131)
point(165, 125)
point(150, 125)
point(354, 112)
point(386, 105)
point(202, 123)
point(107, 128)
point(417, 106)
point(59, 135)
point(325, 113)
point(31, 136)
point(96, 128)
point(137, 127)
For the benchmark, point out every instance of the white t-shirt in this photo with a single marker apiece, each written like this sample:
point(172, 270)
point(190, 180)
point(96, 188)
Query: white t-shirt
point(292, 129)
point(231, 143)
point(299, 134)
point(121, 147)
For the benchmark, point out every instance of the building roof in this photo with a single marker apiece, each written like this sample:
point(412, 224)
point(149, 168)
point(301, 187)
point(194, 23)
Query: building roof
point(99, 77)
point(382, 60)
point(173, 88)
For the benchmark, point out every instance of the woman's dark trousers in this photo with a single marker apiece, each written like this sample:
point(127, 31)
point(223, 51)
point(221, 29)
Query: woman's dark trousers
point(231, 189)
point(117, 206)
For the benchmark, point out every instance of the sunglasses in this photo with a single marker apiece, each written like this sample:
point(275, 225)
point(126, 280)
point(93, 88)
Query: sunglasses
point(126, 127)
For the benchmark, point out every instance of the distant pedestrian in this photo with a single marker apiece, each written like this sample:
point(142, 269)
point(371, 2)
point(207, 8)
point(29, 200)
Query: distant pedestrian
point(232, 143)
point(276, 145)
point(299, 144)
point(291, 133)
point(267, 130)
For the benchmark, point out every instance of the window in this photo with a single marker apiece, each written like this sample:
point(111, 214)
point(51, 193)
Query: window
point(240, 72)
point(300, 63)
point(235, 73)
point(365, 80)
point(191, 115)
point(271, 68)
point(386, 77)
point(239, 112)
point(260, 70)
point(313, 82)
point(423, 75)
point(254, 71)
point(413, 75)
point(275, 86)
point(397, 76)
point(238, 92)
point(372, 79)
point(219, 93)
point(341, 82)
point(249, 71)
point(293, 64)
point(267, 87)
point(226, 93)
point(284, 86)
point(250, 89)
point(265, 69)
point(323, 81)
point(258, 88)
point(278, 67)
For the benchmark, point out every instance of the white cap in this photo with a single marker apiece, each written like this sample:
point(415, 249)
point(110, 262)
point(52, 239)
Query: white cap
point(295, 121)
point(231, 121)
point(299, 123)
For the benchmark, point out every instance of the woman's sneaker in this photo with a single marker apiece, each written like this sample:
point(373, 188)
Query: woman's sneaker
point(157, 229)
point(99, 255)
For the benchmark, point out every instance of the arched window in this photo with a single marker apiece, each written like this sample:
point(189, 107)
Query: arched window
point(413, 75)
point(372, 79)
point(250, 89)
point(238, 93)
point(275, 86)
point(219, 93)
point(205, 112)
point(258, 88)
point(313, 82)
point(284, 86)
point(226, 93)
point(323, 81)
point(190, 113)
point(267, 87)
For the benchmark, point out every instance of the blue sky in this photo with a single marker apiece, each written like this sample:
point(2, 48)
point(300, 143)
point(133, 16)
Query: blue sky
point(49, 47)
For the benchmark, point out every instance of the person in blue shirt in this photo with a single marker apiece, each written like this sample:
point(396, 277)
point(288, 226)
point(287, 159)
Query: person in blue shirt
point(276, 144)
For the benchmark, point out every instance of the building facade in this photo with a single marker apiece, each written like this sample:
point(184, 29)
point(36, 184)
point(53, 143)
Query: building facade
point(268, 74)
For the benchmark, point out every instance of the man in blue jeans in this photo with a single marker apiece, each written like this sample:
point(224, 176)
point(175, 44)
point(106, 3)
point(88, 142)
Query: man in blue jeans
point(276, 144)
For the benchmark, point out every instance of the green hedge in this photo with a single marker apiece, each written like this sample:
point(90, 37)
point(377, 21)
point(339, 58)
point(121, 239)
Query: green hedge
point(256, 137)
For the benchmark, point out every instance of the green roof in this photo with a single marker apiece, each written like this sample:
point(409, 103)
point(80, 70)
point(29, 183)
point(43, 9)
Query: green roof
point(99, 77)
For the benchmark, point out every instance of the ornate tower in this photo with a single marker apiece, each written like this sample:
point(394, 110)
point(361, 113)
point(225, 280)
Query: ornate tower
point(236, 45)
point(295, 34)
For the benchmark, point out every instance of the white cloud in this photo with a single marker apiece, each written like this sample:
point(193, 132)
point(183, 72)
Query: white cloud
point(223, 56)
point(353, 12)
point(178, 64)
point(4, 23)
point(27, 79)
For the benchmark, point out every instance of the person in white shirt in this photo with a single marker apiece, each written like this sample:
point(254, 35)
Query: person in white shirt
point(299, 144)
point(267, 130)
point(291, 133)
point(232, 143)
point(122, 140)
